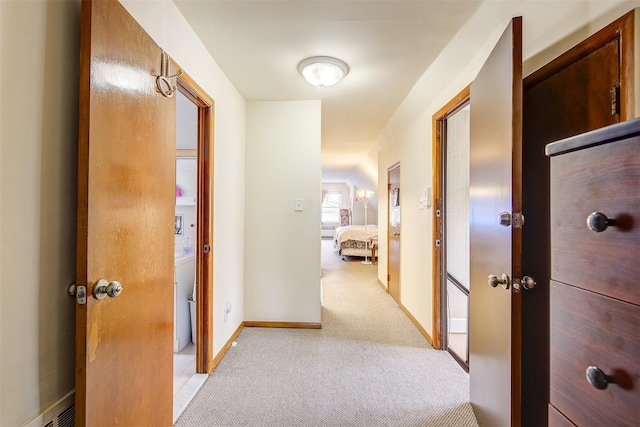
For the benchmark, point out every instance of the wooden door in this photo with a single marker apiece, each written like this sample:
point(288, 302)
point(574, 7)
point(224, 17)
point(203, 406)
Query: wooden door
point(495, 187)
point(126, 176)
point(393, 284)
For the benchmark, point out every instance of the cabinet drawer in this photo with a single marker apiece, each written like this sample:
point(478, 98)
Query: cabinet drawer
point(605, 179)
point(588, 329)
point(556, 419)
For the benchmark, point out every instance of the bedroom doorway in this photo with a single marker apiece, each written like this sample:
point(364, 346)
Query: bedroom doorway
point(393, 239)
point(451, 227)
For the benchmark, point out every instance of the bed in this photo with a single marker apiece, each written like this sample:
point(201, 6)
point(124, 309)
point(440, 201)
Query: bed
point(352, 240)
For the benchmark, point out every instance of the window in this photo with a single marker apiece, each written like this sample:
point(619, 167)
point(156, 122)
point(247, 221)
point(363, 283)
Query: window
point(331, 207)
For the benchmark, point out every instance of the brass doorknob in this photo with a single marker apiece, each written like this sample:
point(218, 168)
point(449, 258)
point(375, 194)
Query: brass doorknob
point(528, 283)
point(503, 280)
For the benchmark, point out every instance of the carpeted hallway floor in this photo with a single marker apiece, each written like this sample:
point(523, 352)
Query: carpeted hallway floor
point(367, 366)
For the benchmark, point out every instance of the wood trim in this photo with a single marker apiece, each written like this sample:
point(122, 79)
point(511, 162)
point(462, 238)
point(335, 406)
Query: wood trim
point(436, 262)
point(438, 118)
point(389, 170)
point(422, 330)
point(627, 66)
point(82, 214)
point(225, 348)
point(295, 325)
point(194, 91)
point(452, 106)
point(622, 29)
point(516, 233)
point(204, 262)
point(382, 285)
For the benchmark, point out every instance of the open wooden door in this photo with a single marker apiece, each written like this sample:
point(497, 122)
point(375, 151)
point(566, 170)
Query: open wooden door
point(126, 176)
point(495, 233)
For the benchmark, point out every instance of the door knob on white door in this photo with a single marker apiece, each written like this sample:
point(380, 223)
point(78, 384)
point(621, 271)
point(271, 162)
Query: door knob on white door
point(103, 289)
point(504, 280)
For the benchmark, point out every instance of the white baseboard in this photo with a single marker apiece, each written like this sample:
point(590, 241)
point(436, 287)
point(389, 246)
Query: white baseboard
point(49, 415)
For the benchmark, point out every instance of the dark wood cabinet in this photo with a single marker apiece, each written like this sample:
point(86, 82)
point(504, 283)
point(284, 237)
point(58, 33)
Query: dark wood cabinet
point(588, 87)
point(594, 288)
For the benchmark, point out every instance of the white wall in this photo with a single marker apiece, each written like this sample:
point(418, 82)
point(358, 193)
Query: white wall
point(282, 247)
point(549, 28)
point(164, 23)
point(38, 134)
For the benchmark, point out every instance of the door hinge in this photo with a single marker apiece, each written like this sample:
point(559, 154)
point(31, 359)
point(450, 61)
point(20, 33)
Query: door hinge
point(388, 277)
point(615, 100)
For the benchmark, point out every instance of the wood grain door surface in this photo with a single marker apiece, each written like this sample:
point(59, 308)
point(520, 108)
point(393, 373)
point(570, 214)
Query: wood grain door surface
point(126, 177)
point(495, 187)
point(569, 96)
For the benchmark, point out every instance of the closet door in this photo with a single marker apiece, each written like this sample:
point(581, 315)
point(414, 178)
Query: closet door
point(126, 208)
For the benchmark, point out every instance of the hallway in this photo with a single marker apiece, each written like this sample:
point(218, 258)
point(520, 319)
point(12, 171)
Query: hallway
point(367, 366)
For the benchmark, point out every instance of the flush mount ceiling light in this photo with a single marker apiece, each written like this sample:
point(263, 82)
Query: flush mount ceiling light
point(323, 71)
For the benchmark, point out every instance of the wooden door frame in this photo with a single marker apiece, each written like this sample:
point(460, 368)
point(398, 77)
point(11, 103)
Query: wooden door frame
point(439, 118)
point(389, 169)
point(622, 29)
point(204, 230)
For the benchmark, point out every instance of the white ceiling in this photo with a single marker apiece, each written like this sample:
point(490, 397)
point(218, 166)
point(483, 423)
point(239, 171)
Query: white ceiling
point(387, 44)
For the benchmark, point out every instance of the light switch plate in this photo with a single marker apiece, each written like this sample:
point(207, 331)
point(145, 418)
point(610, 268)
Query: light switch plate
point(299, 205)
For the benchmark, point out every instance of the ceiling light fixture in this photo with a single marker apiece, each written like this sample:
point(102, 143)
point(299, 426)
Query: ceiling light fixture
point(323, 71)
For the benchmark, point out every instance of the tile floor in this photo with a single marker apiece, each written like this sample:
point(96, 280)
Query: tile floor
point(185, 380)
point(184, 366)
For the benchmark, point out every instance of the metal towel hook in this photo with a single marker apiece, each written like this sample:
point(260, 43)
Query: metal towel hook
point(165, 86)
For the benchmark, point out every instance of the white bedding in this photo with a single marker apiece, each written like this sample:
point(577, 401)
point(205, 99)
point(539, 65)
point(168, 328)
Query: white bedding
point(352, 239)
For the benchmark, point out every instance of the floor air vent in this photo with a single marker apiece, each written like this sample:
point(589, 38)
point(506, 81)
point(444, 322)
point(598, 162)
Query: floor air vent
point(59, 414)
point(67, 418)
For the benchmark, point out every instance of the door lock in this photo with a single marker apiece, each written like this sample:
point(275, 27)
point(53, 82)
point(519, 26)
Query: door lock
point(79, 292)
point(515, 220)
point(527, 283)
point(103, 289)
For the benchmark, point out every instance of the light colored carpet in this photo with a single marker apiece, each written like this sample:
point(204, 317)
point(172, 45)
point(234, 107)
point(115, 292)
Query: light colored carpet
point(368, 366)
